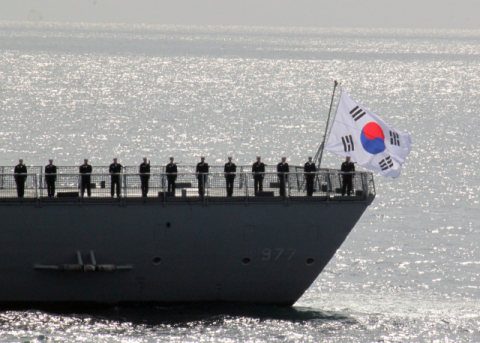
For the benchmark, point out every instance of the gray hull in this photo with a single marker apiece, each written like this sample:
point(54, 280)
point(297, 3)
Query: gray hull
point(186, 252)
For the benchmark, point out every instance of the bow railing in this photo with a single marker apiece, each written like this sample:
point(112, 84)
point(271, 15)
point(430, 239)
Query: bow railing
point(162, 187)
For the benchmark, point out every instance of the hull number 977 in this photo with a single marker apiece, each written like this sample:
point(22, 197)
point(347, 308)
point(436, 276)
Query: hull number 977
point(277, 254)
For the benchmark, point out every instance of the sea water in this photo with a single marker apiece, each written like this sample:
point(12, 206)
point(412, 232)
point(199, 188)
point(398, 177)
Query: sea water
point(410, 269)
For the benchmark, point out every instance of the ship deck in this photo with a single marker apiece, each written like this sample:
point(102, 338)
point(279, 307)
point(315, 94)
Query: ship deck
point(327, 187)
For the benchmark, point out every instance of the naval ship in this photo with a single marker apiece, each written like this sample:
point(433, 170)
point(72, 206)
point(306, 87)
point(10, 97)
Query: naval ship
point(172, 247)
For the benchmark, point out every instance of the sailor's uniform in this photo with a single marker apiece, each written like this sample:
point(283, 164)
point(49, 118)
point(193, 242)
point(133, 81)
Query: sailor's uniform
point(282, 168)
point(114, 170)
point(50, 179)
point(20, 179)
point(347, 167)
point(230, 169)
point(171, 170)
point(309, 169)
point(85, 170)
point(258, 168)
point(202, 170)
point(144, 169)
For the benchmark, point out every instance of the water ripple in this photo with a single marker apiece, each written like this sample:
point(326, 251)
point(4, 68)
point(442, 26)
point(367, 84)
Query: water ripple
point(407, 272)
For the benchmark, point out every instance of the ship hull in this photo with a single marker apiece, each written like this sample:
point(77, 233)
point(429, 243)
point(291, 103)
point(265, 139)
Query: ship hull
point(185, 252)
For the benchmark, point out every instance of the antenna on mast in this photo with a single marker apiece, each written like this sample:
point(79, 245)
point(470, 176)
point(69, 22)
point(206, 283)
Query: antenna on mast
point(319, 154)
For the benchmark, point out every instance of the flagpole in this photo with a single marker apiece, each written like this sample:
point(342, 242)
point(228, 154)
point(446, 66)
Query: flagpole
point(319, 153)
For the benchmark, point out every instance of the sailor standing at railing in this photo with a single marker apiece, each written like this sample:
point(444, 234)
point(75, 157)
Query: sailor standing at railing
point(259, 169)
point(115, 170)
point(202, 171)
point(230, 169)
point(85, 169)
point(20, 172)
point(309, 169)
point(347, 168)
point(144, 171)
point(50, 179)
point(282, 169)
point(171, 170)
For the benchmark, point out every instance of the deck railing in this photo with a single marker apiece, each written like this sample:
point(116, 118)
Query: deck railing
point(68, 188)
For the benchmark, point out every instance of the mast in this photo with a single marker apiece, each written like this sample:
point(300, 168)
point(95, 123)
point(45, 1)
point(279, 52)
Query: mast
point(319, 154)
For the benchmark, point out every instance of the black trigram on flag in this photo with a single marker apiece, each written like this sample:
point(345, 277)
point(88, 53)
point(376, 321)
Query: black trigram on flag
point(348, 143)
point(386, 163)
point(357, 113)
point(394, 138)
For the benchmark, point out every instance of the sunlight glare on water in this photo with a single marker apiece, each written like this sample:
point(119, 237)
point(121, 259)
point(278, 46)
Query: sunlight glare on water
point(408, 272)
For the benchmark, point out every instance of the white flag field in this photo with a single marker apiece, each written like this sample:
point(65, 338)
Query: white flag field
point(367, 139)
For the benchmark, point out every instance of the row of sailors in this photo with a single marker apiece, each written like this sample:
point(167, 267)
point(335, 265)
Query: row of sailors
point(202, 168)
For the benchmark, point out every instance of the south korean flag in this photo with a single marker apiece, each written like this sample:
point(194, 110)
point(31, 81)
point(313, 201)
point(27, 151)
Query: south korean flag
point(367, 139)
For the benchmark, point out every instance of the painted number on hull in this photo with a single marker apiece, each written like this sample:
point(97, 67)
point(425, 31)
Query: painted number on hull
point(277, 254)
